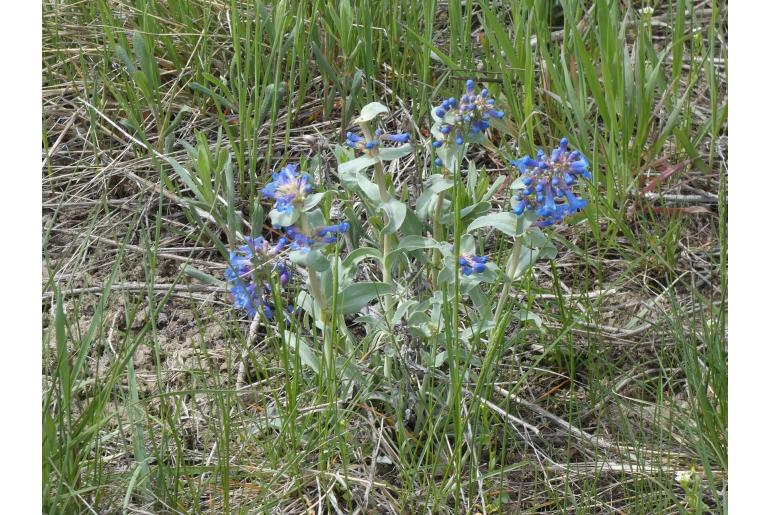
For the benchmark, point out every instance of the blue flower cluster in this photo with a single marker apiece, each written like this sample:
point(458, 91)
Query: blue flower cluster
point(472, 264)
point(251, 265)
point(288, 188)
point(548, 184)
point(468, 116)
point(247, 274)
point(372, 147)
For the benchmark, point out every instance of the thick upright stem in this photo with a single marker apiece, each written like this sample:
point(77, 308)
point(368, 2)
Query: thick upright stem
point(451, 165)
point(455, 372)
point(387, 278)
point(438, 235)
point(318, 297)
point(315, 283)
point(379, 177)
point(513, 261)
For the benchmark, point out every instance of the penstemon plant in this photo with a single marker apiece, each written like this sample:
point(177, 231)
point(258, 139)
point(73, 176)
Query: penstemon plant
point(425, 254)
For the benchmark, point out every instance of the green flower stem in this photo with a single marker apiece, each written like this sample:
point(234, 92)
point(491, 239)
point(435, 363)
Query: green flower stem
point(457, 155)
point(379, 177)
point(438, 235)
point(315, 283)
point(455, 371)
point(513, 261)
point(387, 278)
point(315, 288)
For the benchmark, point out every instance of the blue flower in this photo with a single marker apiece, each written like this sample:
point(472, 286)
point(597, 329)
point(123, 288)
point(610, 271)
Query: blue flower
point(554, 177)
point(328, 232)
point(245, 294)
point(298, 240)
point(323, 236)
point(468, 116)
point(288, 188)
point(471, 264)
point(372, 147)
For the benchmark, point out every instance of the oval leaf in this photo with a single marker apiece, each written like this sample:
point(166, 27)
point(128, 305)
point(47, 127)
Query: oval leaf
point(504, 222)
point(313, 200)
point(306, 355)
point(313, 260)
point(388, 154)
point(371, 111)
point(359, 255)
point(354, 166)
point(396, 212)
point(415, 242)
point(282, 218)
point(358, 295)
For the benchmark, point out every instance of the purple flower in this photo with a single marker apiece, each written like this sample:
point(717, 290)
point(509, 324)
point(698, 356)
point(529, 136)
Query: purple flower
point(298, 240)
point(554, 177)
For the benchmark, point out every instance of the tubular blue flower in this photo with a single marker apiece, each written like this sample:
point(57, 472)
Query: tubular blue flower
point(288, 188)
point(471, 264)
point(468, 116)
point(554, 177)
point(298, 240)
point(372, 147)
point(397, 138)
point(333, 229)
point(329, 233)
point(323, 236)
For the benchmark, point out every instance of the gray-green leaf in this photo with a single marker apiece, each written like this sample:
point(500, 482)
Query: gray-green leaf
point(313, 260)
point(415, 242)
point(306, 355)
point(283, 218)
point(504, 222)
point(313, 200)
point(371, 111)
point(355, 165)
point(388, 154)
point(358, 295)
point(396, 211)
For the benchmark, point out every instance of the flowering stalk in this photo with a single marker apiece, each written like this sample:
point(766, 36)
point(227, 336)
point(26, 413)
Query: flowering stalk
point(370, 143)
point(438, 234)
point(379, 179)
point(289, 188)
point(510, 270)
point(438, 227)
point(458, 124)
point(315, 283)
